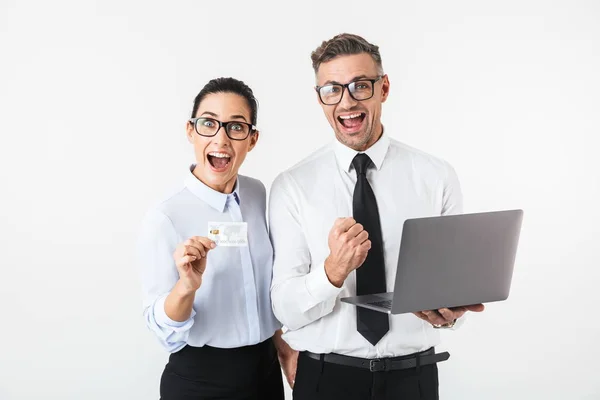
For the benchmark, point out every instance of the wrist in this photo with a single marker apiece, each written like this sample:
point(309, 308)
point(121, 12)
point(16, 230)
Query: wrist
point(281, 345)
point(183, 290)
point(335, 278)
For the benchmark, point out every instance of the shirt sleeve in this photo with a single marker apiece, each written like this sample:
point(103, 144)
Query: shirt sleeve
point(452, 202)
point(157, 241)
point(300, 292)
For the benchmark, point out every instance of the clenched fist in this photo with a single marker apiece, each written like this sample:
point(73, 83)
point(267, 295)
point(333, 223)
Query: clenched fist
point(348, 247)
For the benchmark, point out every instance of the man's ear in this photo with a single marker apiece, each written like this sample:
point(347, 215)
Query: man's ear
point(385, 88)
point(318, 97)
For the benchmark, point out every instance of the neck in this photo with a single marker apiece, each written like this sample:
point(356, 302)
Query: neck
point(226, 187)
point(373, 139)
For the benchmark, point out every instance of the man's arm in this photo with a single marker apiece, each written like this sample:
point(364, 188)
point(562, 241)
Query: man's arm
point(452, 203)
point(301, 293)
point(452, 200)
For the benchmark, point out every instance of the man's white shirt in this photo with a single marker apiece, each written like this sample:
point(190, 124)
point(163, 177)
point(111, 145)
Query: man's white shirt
point(304, 203)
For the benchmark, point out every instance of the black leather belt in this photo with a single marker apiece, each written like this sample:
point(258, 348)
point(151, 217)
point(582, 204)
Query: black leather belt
point(383, 364)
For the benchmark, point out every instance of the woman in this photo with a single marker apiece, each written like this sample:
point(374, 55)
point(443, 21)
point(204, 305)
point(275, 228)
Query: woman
point(208, 302)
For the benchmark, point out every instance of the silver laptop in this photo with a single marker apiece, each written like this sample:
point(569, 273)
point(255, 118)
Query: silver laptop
point(450, 261)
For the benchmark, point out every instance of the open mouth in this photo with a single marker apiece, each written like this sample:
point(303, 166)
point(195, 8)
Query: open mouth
point(352, 122)
point(219, 161)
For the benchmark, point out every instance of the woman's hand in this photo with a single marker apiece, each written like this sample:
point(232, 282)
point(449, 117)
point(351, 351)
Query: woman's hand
point(190, 259)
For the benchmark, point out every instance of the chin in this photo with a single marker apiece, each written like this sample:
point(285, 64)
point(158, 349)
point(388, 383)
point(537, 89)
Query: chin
point(353, 140)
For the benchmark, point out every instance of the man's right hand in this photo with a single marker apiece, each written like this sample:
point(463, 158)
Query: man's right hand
point(190, 259)
point(348, 247)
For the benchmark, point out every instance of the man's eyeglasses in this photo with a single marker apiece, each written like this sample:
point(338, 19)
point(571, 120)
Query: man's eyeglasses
point(359, 90)
point(235, 130)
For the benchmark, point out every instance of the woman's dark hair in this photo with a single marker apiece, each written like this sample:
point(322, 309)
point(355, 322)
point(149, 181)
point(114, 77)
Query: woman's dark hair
point(228, 85)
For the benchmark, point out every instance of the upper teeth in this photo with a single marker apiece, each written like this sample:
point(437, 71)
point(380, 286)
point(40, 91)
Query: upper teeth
point(219, 155)
point(350, 116)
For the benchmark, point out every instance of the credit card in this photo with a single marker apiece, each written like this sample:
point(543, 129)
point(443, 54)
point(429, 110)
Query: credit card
point(231, 234)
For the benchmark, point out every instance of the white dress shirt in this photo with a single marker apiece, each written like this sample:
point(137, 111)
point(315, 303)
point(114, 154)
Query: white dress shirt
point(304, 203)
point(232, 307)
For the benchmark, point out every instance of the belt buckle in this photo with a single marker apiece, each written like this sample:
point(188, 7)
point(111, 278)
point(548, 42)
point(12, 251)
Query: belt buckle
point(377, 365)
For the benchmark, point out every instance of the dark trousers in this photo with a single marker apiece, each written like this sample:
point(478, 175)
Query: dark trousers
point(320, 380)
point(244, 373)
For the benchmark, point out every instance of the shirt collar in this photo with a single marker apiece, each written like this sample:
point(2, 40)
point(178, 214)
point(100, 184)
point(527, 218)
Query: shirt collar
point(376, 153)
point(216, 200)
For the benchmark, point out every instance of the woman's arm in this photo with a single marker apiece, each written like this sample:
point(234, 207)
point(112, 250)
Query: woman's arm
point(156, 243)
point(190, 260)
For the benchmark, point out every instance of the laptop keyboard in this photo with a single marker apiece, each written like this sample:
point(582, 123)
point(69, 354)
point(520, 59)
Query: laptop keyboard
point(387, 304)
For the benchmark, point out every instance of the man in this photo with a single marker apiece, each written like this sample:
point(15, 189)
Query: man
point(336, 223)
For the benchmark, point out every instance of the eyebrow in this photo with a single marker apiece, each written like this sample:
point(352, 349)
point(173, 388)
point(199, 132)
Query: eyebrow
point(212, 114)
point(356, 78)
point(235, 116)
point(238, 116)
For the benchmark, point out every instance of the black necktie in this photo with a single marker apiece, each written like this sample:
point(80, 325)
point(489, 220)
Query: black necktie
point(370, 277)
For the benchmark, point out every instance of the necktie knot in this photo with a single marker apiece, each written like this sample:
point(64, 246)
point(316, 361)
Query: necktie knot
point(361, 162)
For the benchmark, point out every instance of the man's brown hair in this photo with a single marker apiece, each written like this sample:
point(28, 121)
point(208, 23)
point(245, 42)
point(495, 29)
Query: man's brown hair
point(342, 45)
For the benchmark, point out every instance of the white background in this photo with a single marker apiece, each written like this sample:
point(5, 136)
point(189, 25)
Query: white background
point(93, 101)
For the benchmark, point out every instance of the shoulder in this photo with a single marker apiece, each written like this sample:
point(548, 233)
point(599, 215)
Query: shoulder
point(164, 207)
point(308, 170)
point(420, 161)
point(160, 219)
point(251, 186)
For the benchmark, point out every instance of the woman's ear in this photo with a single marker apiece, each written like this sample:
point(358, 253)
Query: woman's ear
point(253, 140)
point(190, 132)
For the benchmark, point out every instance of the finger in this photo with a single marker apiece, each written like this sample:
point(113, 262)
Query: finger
point(206, 242)
point(292, 377)
point(346, 224)
point(434, 317)
point(199, 268)
point(448, 314)
point(195, 246)
point(360, 238)
point(475, 307)
point(190, 242)
point(458, 309)
point(186, 260)
point(338, 221)
point(421, 315)
point(433, 320)
point(365, 246)
point(194, 243)
point(336, 227)
point(193, 251)
point(198, 246)
point(355, 230)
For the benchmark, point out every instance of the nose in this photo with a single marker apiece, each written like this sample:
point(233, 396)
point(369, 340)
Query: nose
point(221, 136)
point(347, 101)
